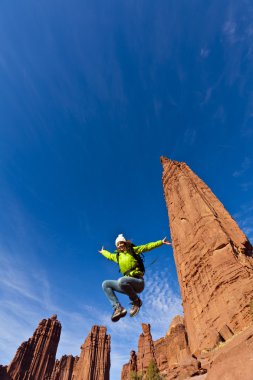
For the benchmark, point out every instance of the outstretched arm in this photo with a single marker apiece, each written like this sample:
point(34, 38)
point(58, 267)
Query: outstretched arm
point(147, 247)
point(108, 255)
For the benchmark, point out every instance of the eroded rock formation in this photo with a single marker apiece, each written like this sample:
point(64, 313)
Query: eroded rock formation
point(35, 358)
point(233, 361)
point(130, 367)
point(213, 259)
point(94, 361)
point(64, 368)
point(146, 350)
point(171, 354)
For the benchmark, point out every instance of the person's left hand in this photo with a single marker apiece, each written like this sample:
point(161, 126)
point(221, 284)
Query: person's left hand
point(165, 241)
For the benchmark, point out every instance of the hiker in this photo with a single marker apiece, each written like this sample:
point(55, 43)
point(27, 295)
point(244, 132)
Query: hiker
point(128, 257)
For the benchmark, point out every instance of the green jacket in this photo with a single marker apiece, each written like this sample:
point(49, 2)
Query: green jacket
point(127, 261)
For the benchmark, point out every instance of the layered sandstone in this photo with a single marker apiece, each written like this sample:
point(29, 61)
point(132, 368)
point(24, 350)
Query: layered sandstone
point(94, 361)
point(129, 368)
point(35, 358)
point(213, 259)
point(146, 350)
point(173, 348)
point(64, 368)
point(233, 360)
point(146, 353)
point(171, 354)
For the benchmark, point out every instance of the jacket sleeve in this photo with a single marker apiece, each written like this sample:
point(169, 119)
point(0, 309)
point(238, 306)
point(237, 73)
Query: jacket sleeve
point(147, 247)
point(110, 256)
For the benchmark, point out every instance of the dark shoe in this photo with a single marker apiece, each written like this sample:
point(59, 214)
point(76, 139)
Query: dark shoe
point(119, 312)
point(136, 307)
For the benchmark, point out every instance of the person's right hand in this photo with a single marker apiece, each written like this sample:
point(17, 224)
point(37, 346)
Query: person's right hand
point(165, 241)
point(101, 250)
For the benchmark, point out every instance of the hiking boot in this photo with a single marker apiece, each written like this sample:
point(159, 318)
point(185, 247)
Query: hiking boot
point(136, 307)
point(119, 312)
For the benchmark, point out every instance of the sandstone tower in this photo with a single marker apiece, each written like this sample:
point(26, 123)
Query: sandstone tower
point(94, 362)
point(35, 358)
point(213, 258)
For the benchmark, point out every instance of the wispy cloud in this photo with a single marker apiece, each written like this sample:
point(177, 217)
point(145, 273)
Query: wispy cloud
point(244, 218)
point(246, 186)
point(24, 298)
point(210, 90)
point(190, 136)
point(229, 30)
point(244, 167)
point(204, 53)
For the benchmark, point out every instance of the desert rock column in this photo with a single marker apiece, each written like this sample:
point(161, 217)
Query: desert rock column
point(94, 362)
point(213, 259)
point(35, 358)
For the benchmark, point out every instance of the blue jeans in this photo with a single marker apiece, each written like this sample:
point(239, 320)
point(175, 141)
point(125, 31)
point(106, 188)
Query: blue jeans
point(126, 285)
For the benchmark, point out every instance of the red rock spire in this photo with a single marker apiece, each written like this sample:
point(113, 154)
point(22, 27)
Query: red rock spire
point(94, 361)
point(213, 259)
point(35, 358)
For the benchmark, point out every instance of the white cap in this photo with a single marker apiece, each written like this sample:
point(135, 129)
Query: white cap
point(120, 237)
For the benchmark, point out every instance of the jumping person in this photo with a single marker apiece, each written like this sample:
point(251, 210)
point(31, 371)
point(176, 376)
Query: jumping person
point(127, 256)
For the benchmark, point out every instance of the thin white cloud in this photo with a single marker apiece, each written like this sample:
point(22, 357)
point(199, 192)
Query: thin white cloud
point(204, 53)
point(246, 186)
point(190, 136)
point(229, 27)
point(24, 299)
point(246, 164)
point(244, 218)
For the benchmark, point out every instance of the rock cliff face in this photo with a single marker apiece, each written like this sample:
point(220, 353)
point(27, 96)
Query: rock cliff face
point(233, 361)
point(130, 367)
point(63, 368)
point(146, 350)
point(94, 361)
point(213, 259)
point(35, 358)
point(3, 373)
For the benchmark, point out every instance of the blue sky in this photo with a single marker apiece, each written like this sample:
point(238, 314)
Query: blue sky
point(92, 93)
